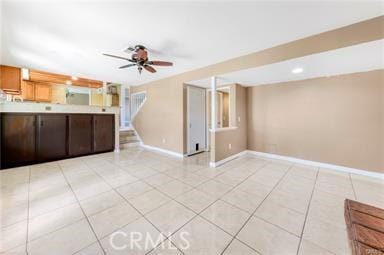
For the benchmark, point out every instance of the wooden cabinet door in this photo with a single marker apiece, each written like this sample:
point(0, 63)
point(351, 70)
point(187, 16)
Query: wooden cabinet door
point(10, 78)
point(43, 92)
point(80, 134)
point(28, 90)
point(103, 133)
point(18, 139)
point(51, 136)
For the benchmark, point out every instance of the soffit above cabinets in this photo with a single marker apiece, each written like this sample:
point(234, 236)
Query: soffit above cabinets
point(52, 78)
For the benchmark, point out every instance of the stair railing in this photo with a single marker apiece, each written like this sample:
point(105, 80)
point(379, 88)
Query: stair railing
point(137, 101)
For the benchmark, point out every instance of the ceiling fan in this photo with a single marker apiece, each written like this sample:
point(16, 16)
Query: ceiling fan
point(140, 59)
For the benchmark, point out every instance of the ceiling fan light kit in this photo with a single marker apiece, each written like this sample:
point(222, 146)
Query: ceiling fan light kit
point(140, 59)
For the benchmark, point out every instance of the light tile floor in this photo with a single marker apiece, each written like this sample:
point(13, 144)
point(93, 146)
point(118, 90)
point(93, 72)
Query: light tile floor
point(250, 205)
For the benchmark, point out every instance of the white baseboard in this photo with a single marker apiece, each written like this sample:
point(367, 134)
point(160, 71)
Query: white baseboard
point(218, 163)
point(172, 153)
point(319, 164)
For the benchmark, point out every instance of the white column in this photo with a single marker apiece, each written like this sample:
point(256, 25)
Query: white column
point(213, 103)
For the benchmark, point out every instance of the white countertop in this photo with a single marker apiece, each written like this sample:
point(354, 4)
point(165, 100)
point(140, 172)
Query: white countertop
point(55, 108)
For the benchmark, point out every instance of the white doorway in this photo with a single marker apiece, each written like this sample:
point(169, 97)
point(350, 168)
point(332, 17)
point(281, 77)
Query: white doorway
point(196, 120)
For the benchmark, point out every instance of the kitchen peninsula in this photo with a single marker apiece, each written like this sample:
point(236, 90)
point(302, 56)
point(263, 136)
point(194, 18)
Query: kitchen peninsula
point(48, 116)
point(40, 132)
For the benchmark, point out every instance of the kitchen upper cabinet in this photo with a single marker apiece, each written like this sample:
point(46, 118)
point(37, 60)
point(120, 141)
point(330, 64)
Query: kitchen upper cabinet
point(18, 139)
point(80, 134)
point(103, 133)
point(43, 92)
point(51, 136)
point(10, 78)
point(28, 90)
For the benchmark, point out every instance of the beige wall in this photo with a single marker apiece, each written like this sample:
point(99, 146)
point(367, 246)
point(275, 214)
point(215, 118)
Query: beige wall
point(236, 137)
point(162, 115)
point(337, 120)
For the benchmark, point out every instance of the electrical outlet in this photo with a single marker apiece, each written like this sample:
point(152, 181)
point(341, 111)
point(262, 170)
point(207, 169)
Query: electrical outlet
point(229, 146)
point(163, 140)
point(238, 118)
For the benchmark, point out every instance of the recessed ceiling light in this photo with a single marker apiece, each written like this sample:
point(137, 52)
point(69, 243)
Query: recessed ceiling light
point(74, 78)
point(297, 70)
point(68, 82)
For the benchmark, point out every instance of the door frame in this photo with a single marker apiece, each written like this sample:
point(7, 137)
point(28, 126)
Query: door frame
point(204, 148)
point(220, 110)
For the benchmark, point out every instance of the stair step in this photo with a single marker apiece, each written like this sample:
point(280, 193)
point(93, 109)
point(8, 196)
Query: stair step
point(129, 138)
point(128, 145)
point(127, 133)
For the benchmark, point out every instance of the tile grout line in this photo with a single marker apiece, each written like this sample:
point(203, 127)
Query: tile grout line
point(166, 238)
point(28, 203)
point(199, 214)
point(142, 215)
point(29, 187)
point(251, 215)
point(90, 168)
point(78, 201)
point(173, 199)
point(306, 214)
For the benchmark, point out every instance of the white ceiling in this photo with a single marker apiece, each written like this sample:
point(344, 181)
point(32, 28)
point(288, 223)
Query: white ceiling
point(68, 36)
point(357, 58)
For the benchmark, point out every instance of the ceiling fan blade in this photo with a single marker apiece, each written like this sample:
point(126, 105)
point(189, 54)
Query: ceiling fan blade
point(125, 66)
point(113, 56)
point(150, 69)
point(160, 63)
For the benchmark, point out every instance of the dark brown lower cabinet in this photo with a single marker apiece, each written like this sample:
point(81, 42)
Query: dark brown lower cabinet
point(1, 158)
point(103, 138)
point(80, 134)
point(28, 138)
point(51, 136)
point(18, 139)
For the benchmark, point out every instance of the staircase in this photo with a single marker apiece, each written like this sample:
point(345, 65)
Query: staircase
point(128, 138)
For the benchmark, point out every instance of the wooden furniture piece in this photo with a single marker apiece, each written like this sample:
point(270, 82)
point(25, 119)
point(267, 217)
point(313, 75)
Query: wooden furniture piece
point(80, 134)
point(28, 138)
point(51, 136)
point(365, 226)
point(10, 78)
point(102, 138)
